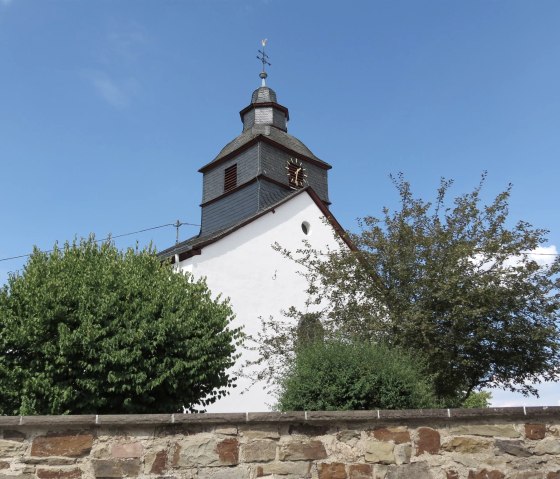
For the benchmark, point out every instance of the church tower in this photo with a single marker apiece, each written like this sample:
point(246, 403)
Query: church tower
point(260, 167)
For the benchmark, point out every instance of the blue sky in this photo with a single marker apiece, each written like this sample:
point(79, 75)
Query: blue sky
point(108, 108)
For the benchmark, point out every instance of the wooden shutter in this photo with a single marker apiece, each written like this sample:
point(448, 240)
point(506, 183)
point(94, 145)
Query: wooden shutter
point(230, 178)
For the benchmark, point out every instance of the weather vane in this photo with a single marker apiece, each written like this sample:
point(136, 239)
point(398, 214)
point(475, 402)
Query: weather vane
point(263, 57)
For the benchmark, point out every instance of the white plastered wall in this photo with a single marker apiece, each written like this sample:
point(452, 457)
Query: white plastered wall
point(259, 281)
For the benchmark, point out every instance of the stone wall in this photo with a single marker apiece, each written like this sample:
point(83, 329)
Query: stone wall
point(519, 443)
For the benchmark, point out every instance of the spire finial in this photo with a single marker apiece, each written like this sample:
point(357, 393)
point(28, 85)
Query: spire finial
point(263, 57)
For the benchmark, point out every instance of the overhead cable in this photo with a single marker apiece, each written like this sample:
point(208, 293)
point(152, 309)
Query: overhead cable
point(110, 237)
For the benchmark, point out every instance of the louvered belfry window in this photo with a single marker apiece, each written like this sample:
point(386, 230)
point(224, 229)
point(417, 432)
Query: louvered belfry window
point(230, 178)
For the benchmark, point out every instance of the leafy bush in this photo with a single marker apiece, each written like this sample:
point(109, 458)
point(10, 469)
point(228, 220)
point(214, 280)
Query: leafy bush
point(89, 329)
point(339, 375)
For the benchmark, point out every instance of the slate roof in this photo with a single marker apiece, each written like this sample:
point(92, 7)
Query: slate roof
point(264, 94)
point(275, 134)
point(193, 245)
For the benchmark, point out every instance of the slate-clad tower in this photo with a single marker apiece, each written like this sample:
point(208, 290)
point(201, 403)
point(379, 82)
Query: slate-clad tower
point(259, 168)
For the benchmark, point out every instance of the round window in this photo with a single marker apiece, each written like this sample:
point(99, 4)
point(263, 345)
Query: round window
point(306, 228)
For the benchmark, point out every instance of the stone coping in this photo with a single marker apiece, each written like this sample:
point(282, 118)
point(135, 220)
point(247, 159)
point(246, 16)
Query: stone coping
point(308, 417)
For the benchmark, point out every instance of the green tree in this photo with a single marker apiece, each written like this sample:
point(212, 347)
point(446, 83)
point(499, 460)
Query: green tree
point(478, 400)
point(89, 329)
point(453, 280)
point(340, 375)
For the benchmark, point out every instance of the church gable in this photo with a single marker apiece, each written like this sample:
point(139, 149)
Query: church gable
point(193, 246)
point(281, 222)
point(242, 265)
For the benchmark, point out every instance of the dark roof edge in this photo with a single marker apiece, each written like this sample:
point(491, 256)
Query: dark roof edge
point(245, 146)
point(261, 137)
point(260, 176)
point(265, 104)
point(332, 220)
point(308, 417)
point(315, 161)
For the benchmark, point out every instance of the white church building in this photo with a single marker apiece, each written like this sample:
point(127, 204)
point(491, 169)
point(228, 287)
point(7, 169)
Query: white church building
point(264, 187)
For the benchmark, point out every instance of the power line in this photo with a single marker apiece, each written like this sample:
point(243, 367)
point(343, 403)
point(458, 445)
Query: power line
point(178, 224)
point(110, 237)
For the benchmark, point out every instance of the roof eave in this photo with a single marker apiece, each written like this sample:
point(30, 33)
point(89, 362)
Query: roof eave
point(260, 137)
point(252, 106)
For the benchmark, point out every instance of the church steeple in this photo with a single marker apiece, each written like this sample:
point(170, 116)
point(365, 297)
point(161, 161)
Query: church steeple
point(264, 110)
point(259, 168)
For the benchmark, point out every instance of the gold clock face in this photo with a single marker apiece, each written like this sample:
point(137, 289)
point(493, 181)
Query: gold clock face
point(297, 176)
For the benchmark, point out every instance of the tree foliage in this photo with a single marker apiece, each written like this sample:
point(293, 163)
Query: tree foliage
point(89, 329)
point(341, 375)
point(478, 400)
point(454, 280)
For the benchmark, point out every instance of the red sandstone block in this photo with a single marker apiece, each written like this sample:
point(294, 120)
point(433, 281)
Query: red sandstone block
point(74, 473)
point(62, 445)
point(160, 463)
point(391, 434)
point(360, 471)
point(228, 452)
point(535, 431)
point(428, 441)
point(335, 470)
